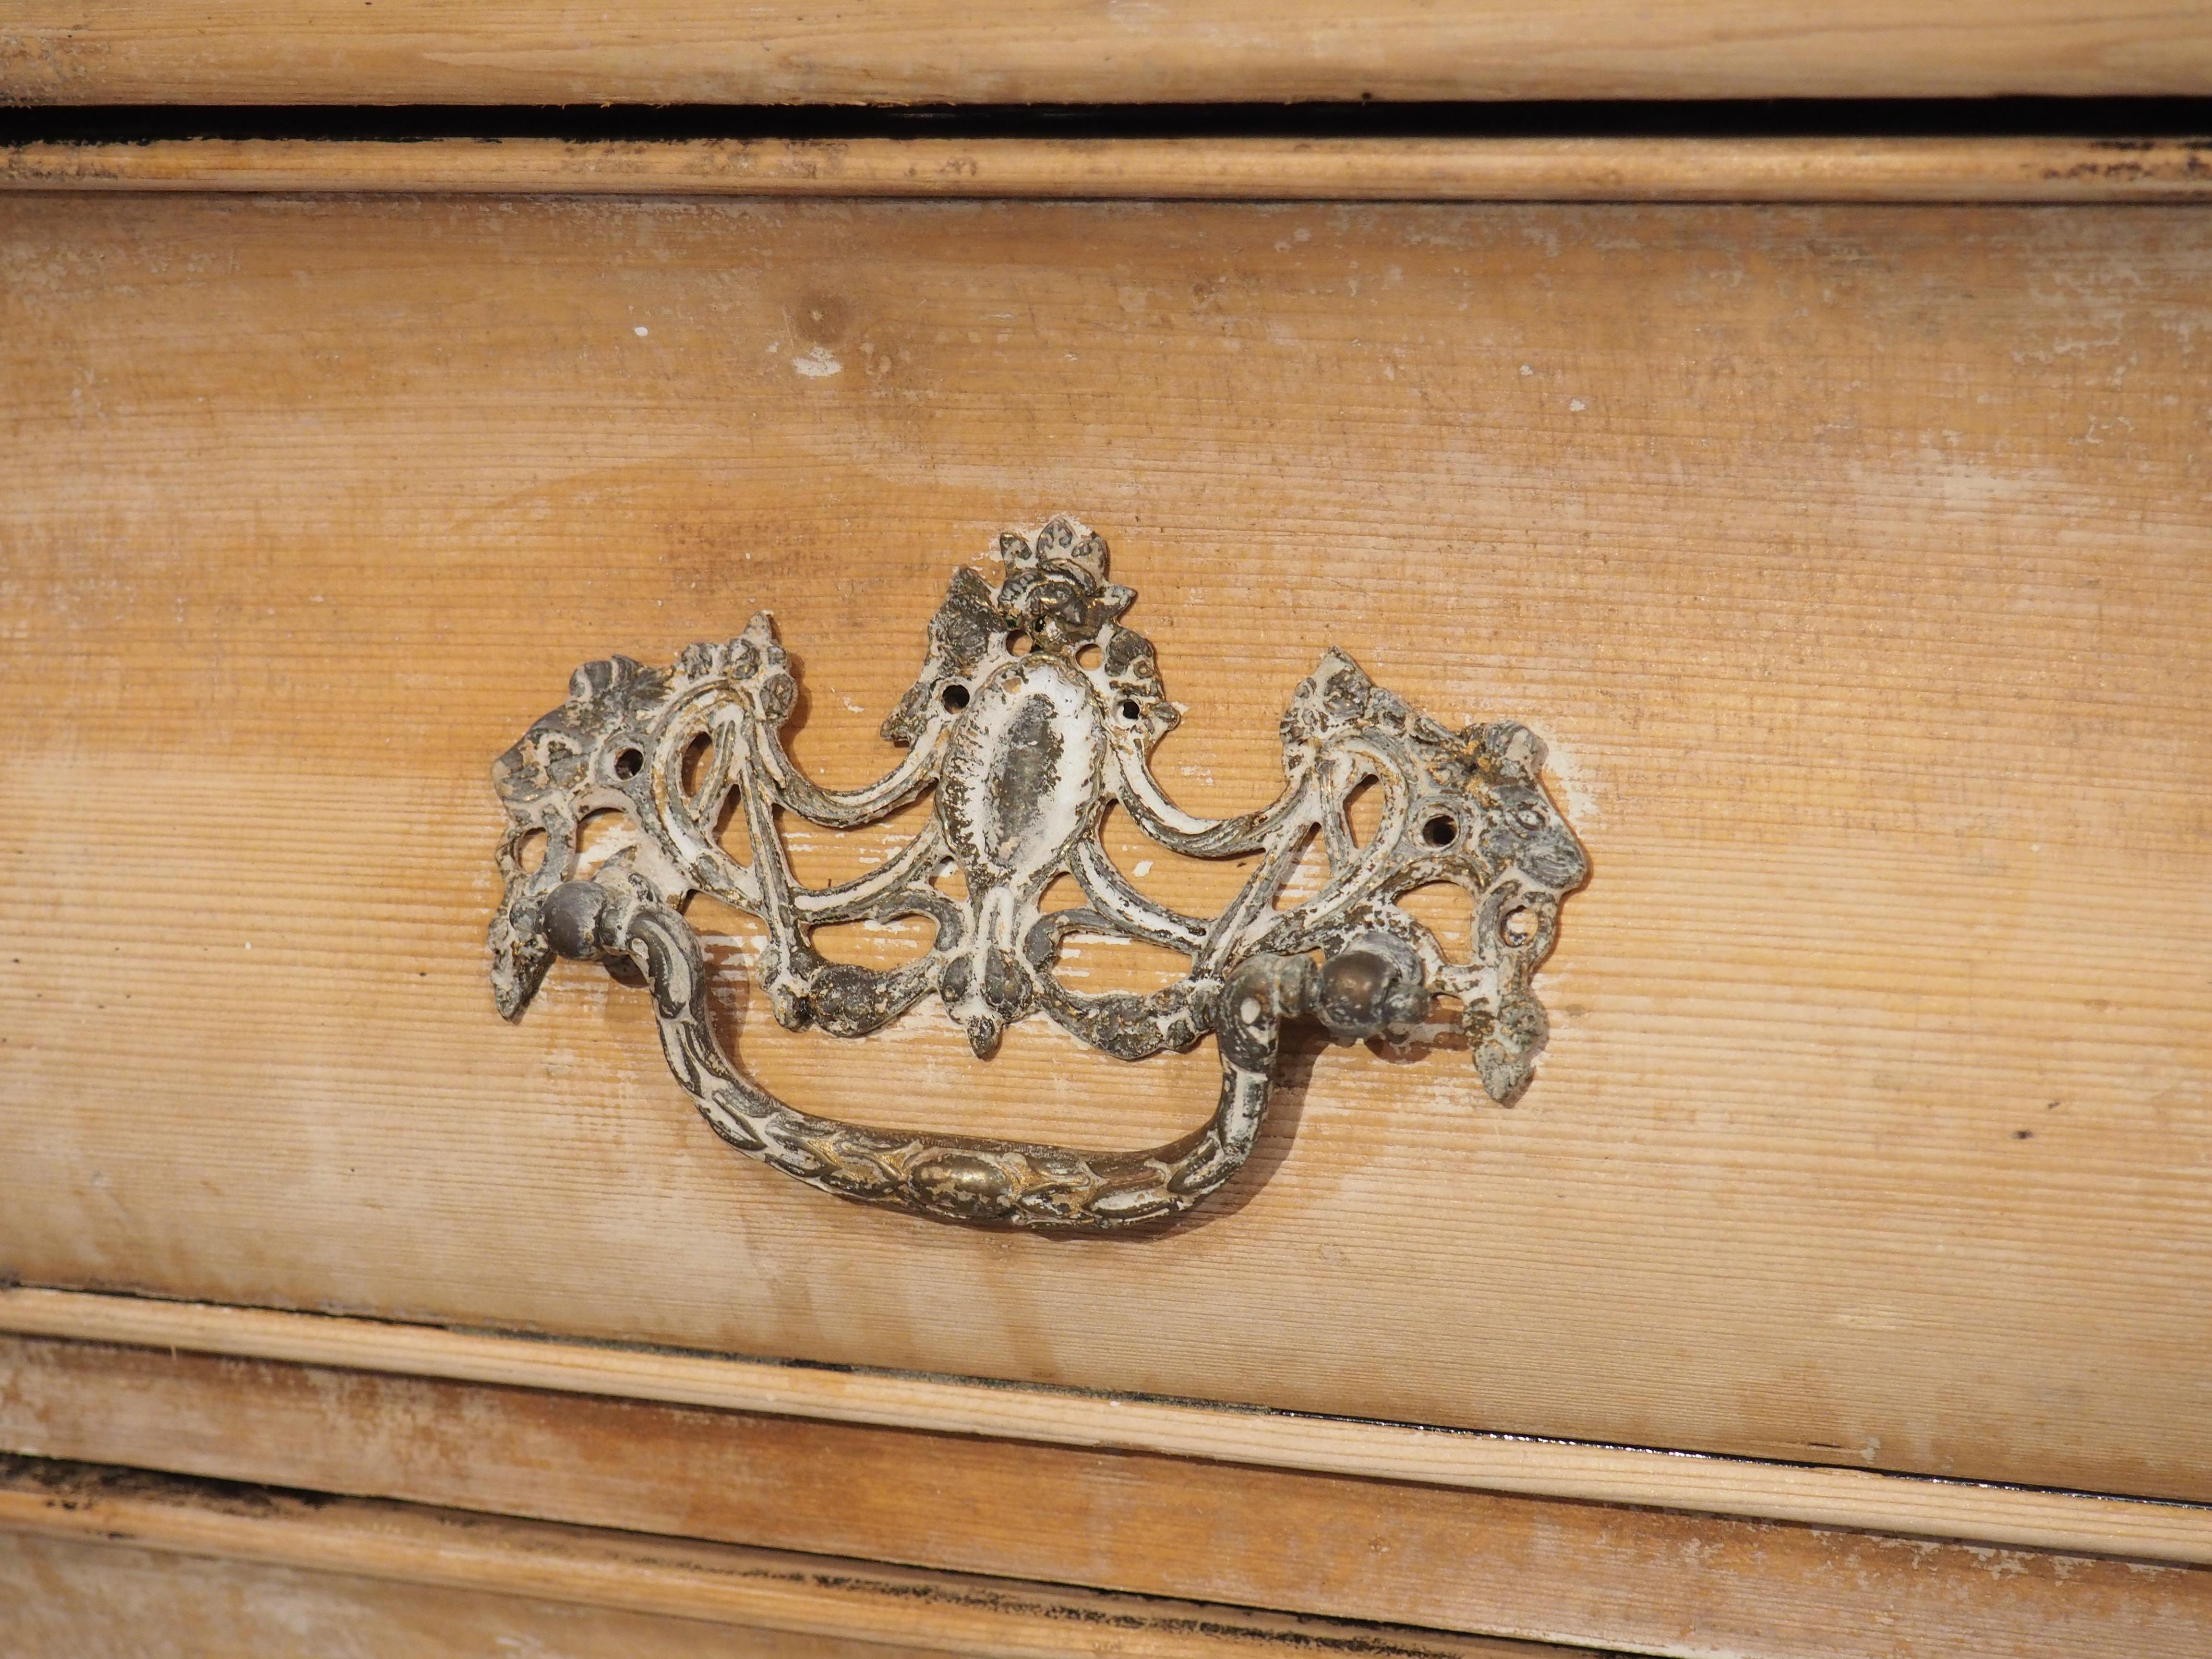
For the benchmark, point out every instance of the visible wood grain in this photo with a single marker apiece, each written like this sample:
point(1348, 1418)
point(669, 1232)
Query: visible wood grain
point(808, 1596)
point(1576, 1573)
point(69, 1598)
point(1852, 560)
point(1932, 169)
point(559, 51)
point(1616, 1474)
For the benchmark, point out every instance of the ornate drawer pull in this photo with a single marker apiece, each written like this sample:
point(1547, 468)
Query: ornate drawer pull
point(1025, 743)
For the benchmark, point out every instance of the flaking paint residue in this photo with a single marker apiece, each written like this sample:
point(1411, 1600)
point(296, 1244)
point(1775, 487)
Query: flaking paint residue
point(1564, 774)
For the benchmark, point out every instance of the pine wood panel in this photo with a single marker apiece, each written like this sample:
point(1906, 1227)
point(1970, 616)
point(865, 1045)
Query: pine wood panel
point(849, 1602)
point(1170, 1527)
point(534, 52)
point(1851, 560)
point(1923, 169)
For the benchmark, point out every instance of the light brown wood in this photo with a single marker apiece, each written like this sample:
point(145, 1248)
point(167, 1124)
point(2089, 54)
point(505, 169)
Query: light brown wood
point(1663, 1480)
point(66, 1599)
point(1852, 559)
point(808, 1596)
point(1345, 169)
point(1361, 1549)
point(338, 51)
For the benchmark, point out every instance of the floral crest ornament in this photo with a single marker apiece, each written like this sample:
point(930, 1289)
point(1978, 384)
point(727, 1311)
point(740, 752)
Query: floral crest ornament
point(1025, 742)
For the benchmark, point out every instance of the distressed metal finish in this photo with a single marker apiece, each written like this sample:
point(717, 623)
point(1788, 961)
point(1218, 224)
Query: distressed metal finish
point(1025, 743)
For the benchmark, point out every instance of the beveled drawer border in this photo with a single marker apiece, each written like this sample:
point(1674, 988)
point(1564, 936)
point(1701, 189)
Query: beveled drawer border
point(1599, 169)
point(1865, 1499)
point(902, 1608)
point(1332, 1547)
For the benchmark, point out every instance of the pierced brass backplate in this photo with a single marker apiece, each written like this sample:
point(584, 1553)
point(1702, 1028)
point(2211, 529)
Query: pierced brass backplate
point(1025, 740)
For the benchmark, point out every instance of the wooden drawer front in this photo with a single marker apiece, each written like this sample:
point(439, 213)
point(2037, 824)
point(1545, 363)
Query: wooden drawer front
point(1851, 560)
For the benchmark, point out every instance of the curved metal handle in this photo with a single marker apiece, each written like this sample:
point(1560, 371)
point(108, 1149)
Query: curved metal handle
point(1036, 709)
point(952, 1177)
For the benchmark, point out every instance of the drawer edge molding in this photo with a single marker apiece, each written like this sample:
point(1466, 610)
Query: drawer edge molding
point(926, 52)
point(1862, 1499)
point(902, 1609)
point(1595, 169)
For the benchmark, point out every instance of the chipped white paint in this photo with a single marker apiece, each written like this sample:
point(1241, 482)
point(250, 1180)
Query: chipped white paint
point(1565, 770)
point(817, 362)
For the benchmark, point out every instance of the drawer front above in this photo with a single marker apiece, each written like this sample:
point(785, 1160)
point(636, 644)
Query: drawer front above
point(1852, 563)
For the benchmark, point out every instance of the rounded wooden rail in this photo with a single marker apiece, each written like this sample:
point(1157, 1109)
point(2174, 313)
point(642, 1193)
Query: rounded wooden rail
point(1927, 169)
point(1864, 1498)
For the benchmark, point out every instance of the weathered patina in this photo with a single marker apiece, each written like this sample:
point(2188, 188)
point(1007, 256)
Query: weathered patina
point(1026, 734)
